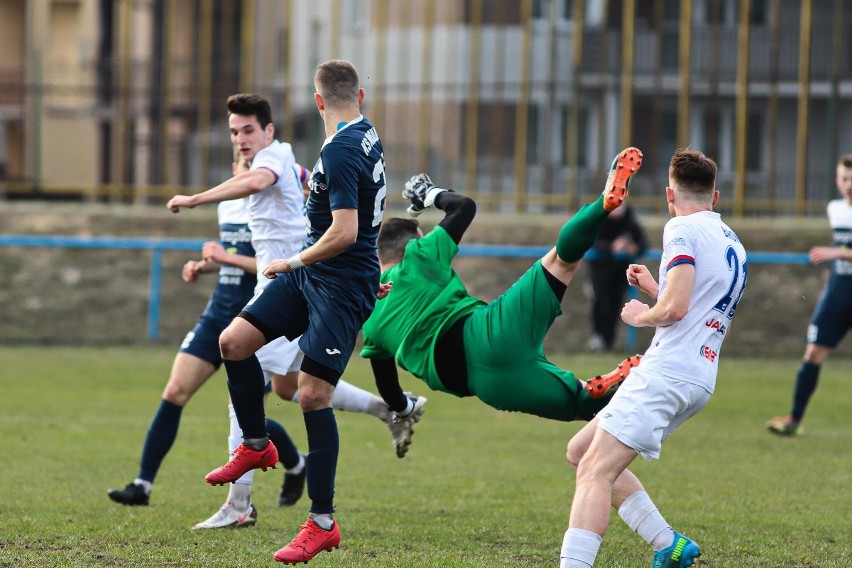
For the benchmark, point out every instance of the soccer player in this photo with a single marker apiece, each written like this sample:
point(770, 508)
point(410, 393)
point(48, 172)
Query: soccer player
point(458, 344)
point(702, 278)
point(277, 223)
point(832, 317)
point(199, 355)
point(321, 295)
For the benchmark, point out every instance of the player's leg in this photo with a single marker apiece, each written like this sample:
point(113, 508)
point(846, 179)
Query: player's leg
point(346, 397)
point(189, 372)
point(239, 343)
point(826, 330)
point(578, 235)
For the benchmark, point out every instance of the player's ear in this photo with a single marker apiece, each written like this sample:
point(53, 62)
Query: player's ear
point(361, 93)
point(319, 102)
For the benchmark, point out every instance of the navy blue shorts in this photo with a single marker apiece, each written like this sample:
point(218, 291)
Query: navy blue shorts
point(831, 320)
point(203, 340)
point(327, 315)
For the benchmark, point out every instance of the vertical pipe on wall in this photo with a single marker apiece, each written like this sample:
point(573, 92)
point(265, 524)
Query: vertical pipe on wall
point(627, 35)
point(804, 104)
point(425, 106)
point(248, 43)
point(122, 124)
point(379, 104)
point(471, 124)
point(522, 113)
point(572, 142)
point(772, 103)
point(204, 88)
point(741, 142)
point(832, 132)
point(684, 72)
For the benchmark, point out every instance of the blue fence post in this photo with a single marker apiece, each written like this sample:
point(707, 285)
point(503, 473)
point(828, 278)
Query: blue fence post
point(154, 293)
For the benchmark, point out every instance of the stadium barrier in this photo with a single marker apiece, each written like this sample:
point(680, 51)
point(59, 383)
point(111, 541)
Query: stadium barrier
point(158, 246)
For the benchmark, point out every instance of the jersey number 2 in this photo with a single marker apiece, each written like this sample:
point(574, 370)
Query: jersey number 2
point(727, 305)
point(379, 205)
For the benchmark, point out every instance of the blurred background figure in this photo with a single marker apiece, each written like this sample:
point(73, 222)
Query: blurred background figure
point(620, 241)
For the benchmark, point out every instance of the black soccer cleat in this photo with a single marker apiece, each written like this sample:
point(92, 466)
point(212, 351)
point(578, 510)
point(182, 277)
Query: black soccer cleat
point(132, 494)
point(293, 487)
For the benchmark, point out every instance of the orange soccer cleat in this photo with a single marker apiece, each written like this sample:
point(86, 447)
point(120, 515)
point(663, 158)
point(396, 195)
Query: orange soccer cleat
point(606, 385)
point(243, 460)
point(310, 541)
point(624, 165)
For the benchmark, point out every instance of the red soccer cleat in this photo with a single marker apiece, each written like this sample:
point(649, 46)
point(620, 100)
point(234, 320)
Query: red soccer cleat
point(604, 385)
point(244, 459)
point(625, 164)
point(310, 541)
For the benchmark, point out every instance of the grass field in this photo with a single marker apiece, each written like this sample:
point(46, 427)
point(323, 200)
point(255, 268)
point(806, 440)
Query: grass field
point(478, 488)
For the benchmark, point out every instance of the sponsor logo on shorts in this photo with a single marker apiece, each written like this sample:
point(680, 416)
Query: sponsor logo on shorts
point(333, 351)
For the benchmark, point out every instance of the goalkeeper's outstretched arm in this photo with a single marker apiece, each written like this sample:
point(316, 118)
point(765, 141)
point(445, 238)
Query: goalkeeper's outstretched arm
point(387, 383)
point(460, 211)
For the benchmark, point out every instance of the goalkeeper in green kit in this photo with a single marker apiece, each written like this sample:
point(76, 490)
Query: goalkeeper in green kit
point(430, 326)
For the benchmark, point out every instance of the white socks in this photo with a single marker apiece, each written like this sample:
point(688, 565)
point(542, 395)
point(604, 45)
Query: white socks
point(641, 515)
point(297, 469)
point(240, 496)
point(235, 438)
point(579, 549)
point(145, 484)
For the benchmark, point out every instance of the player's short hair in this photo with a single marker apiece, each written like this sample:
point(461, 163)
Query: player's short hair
point(693, 172)
point(845, 161)
point(394, 235)
point(250, 104)
point(338, 83)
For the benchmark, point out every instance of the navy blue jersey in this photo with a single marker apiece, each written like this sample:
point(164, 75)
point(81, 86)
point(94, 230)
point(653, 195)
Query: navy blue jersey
point(349, 174)
point(235, 286)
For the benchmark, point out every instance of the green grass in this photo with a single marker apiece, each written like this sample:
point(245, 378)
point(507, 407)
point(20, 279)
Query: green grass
point(478, 488)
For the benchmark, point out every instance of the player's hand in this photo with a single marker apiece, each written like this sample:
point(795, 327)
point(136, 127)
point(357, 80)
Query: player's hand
point(632, 311)
point(421, 192)
point(213, 250)
point(276, 267)
point(384, 290)
point(819, 255)
point(639, 276)
point(191, 270)
point(178, 201)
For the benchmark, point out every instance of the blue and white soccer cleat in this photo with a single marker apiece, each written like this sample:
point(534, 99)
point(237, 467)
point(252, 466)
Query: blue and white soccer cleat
point(680, 554)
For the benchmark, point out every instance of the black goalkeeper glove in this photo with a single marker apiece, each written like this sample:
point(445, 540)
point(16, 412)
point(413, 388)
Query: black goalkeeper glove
point(421, 192)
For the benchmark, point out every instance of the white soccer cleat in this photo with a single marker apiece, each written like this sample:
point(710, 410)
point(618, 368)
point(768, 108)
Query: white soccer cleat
point(402, 427)
point(228, 516)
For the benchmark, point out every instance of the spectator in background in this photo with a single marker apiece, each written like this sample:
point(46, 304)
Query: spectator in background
point(620, 241)
point(832, 316)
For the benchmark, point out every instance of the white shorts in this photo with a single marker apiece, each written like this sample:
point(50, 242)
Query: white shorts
point(648, 407)
point(281, 356)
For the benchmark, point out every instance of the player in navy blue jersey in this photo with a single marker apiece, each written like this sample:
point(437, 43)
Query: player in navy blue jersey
point(832, 317)
point(199, 357)
point(323, 294)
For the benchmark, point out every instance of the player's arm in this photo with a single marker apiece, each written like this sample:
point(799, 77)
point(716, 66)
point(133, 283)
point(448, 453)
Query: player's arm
point(819, 255)
point(671, 307)
point(215, 253)
point(192, 269)
point(387, 383)
point(459, 213)
point(242, 184)
point(341, 234)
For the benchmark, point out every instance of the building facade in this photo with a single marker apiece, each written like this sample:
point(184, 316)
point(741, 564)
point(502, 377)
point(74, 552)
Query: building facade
point(519, 102)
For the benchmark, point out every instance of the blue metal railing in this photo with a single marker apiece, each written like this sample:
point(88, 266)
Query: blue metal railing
point(157, 246)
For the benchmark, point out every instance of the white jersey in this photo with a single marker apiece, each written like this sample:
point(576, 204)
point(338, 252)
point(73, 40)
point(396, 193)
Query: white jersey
point(277, 219)
point(688, 350)
point(840, 218)
point(233, 211)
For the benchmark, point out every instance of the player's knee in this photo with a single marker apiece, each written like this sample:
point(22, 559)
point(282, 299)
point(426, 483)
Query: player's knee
point(232, 346)
point(573, 453)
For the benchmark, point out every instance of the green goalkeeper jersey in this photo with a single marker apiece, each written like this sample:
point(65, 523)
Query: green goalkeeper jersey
point(427, 298)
